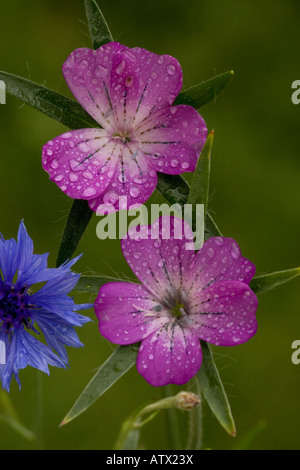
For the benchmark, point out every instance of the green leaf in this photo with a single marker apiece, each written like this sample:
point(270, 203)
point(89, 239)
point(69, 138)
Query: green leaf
point(92, 284)
point(199, 189)
point(78, 219)
point(9, 416)
point(201, 94)
point(99, 30)
point(118, 363)
point(49, 102)
point(176, 191)
point(213, 390)
point(267, 282)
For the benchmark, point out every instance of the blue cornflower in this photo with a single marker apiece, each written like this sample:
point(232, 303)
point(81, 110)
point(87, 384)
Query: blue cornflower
point(26, 312)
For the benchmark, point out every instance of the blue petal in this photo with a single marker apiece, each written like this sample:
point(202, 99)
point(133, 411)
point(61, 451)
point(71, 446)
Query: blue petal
point(57, 333)
point(8, 259)
point(25, 350)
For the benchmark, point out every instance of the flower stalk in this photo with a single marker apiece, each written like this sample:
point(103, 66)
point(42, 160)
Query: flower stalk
point(185, 401)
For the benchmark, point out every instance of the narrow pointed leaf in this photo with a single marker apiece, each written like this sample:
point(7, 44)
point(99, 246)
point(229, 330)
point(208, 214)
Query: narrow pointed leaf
point(78, 219)
point(119, 362)
point(199, 189)
point(92, 284)
point(49, 102)
point(201, 94)
point(213, 391)
point(99, 30)
point(260, 284)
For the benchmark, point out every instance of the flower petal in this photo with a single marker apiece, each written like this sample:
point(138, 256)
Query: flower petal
point(172, 355)
point(219, 259)
point(173, 139)
point(88, 74)
point(158, 255)
point(143, 83)
point(134, 178)
point(127, 312)
point(224, 314)
point(81, 162)
point(26, 350)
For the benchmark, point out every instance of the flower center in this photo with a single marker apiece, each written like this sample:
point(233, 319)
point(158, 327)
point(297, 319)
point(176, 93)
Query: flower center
point(178, 310)
point(123, 136)
point(15, 307)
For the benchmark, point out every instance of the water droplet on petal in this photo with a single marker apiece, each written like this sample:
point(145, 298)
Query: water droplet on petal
point(134, 192)
point(59, 178)
point(73, 177)
point(174, 163)
point(185, 165)
point(87, 175)
point(235, 252)
point(120, 67)
point(110, 197)
point(89, 192)
point(171, 69)
point(54, 164)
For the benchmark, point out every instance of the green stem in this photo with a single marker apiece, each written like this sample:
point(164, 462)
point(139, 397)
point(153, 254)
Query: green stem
point(172, 422)
point(195, 422)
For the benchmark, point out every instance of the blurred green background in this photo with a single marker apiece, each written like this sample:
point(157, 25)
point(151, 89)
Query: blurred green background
point(254, 199)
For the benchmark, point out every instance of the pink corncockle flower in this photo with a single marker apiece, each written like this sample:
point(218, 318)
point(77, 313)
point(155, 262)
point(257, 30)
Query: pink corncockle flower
point(184, 296)
point(129, 92)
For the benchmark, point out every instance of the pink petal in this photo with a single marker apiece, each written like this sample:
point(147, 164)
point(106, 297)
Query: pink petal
point(144, 81)
point(134, 178)
point(170, 355)
point(88, 75)
point(219, 259)
point(224, 314)
point(173, 139)
point(127, 312)
point(81, 162)
point(160, 259)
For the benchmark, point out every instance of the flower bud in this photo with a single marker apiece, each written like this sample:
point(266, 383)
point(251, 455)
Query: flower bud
point(186, 401)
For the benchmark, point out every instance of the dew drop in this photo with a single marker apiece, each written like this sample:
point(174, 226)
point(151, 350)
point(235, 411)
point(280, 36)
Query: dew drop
point(171, 69)
point(174, 163)
point(120, 67)
point(54, 164)
point(73, 177)
point(100, 70)
point(110, 197)
point(58, 178)
point(89, 192)
point(210, 252)
point(235, 252)
point(185, 165)
point(134, 192)
point(87, 175)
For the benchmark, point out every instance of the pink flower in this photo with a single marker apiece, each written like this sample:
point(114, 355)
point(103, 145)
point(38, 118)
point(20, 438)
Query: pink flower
point(130, 93)
point(184, 296)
